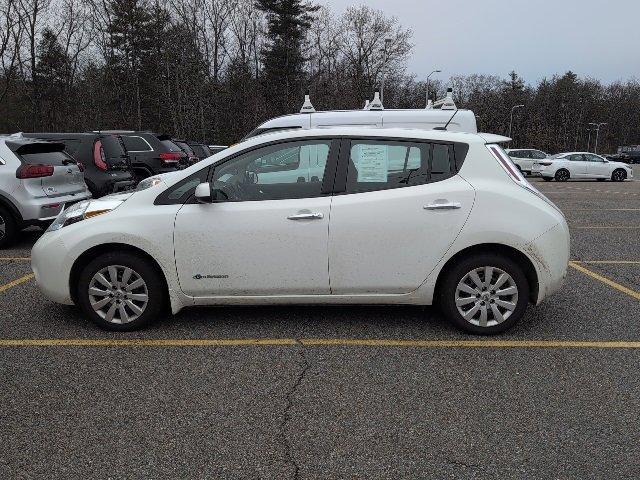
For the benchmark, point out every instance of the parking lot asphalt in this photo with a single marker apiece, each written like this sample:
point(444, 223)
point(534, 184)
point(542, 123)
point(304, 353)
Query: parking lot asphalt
point(337, 392)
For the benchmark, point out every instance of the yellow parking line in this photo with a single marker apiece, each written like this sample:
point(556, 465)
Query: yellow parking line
point(15, 258)
point(609, 262)
point(314, 342)
point(18, 281)
point(606, 281)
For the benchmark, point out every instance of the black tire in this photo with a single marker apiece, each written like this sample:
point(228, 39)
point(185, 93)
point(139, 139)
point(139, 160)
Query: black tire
point(154, 289)
point(547, 179)
point(562, 175)
point(8, 228)
point(455, 275)
point(618, 175)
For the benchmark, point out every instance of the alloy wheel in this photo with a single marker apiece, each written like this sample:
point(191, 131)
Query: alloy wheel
point(619, 176)
point(486, 296)
point(118, 294)
point(562, 175)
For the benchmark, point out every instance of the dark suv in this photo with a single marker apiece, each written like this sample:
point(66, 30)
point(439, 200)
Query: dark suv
point(106, 163)
point(151, 153)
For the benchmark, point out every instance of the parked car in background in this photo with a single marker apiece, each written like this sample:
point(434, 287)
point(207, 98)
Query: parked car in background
point(216, 148)
point(192, 157)
point(151, 153)
point(201, 150)
point(225, 232)
point(37, 180)
point(374, 115)
point(524, 158)
point(581, 165)
point(107, 168)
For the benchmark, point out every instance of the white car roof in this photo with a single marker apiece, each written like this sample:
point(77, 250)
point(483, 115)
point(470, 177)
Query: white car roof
point(463, 121)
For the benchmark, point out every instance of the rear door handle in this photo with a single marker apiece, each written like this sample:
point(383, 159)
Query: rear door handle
point(443, 206)
point(306, 216)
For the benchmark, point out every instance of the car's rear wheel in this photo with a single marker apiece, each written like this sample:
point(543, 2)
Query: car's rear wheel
point(121, 291)
point(619, 175)
point(8, 228)
point(485, 294)
point(562, 175)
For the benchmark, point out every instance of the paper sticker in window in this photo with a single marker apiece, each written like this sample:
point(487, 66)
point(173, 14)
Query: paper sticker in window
point(372, 163)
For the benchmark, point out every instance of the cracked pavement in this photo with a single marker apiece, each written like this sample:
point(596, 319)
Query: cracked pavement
point(334, 412)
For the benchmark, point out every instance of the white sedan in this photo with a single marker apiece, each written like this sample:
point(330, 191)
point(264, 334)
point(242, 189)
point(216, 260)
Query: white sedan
point(581, 165)
point(329, 216)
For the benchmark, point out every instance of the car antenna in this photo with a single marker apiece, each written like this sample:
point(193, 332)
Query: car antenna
point(447, 124)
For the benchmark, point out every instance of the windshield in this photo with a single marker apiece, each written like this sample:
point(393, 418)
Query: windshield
point(557, 155)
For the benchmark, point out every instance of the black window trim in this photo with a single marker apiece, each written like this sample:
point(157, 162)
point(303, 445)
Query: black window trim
point(326, 188)
point(455, 151)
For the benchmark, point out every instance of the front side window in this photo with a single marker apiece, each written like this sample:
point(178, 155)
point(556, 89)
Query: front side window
point(288, 170)
point(594, 158)
point(380, 164)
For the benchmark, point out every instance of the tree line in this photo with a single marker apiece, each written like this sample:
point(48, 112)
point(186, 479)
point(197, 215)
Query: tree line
point(211, 70)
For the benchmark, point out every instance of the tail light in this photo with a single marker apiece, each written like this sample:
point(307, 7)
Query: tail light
point(34, 171)
point(515, 174)
point(81, 166)
point(170, 157)
point(98, 156)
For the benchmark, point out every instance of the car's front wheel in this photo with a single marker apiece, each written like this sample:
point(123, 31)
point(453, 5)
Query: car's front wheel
point(485, 294)
point(619, 175)
point(121, 291)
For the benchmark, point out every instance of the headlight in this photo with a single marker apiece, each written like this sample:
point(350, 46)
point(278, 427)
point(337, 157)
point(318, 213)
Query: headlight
point(81, 211)
point(148, 183)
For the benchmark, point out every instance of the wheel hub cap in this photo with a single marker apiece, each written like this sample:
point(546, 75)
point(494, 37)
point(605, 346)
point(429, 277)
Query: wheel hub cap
point(118, 294)
point(486, 296)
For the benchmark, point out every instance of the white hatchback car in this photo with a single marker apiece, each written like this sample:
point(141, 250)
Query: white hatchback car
point(393, 217)
point(581, 165)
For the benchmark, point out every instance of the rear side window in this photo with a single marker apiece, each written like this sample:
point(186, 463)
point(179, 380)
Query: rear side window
point(380, 165)
point(112, 146)
point(170, 146)
point(136, 144)
point(57, 159)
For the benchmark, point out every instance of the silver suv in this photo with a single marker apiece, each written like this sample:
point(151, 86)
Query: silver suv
point(37, 180)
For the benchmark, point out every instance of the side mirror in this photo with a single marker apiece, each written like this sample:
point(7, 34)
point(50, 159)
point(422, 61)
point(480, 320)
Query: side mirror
point(203, 193)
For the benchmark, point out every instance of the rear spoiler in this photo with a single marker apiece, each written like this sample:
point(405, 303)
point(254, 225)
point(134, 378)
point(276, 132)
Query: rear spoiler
point(493, 138)
point(37, 146)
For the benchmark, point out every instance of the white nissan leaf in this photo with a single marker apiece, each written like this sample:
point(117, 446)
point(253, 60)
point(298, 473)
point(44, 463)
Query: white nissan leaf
point(322, 216)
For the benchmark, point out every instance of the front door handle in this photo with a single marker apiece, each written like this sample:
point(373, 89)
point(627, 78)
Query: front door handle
point(443, 206)
point(306, 216)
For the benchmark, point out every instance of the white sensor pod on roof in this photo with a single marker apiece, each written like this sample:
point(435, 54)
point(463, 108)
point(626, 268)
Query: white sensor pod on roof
point(307, 106)
point(376, 103)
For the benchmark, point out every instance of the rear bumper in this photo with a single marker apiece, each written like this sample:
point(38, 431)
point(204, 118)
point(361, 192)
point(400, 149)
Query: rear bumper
point(550, 256)
point(43, 210)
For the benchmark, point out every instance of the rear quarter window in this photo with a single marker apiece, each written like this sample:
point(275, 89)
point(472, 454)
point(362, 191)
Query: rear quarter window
point(136, 144)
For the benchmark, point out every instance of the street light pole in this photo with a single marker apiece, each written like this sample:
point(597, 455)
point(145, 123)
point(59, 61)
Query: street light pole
point(597, 125)
point(435, 71)
point(387, 44)
point(511, 119)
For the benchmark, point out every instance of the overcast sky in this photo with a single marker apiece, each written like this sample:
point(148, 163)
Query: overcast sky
point(537, 38)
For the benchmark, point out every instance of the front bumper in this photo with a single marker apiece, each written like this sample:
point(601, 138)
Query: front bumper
point(51, 266)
